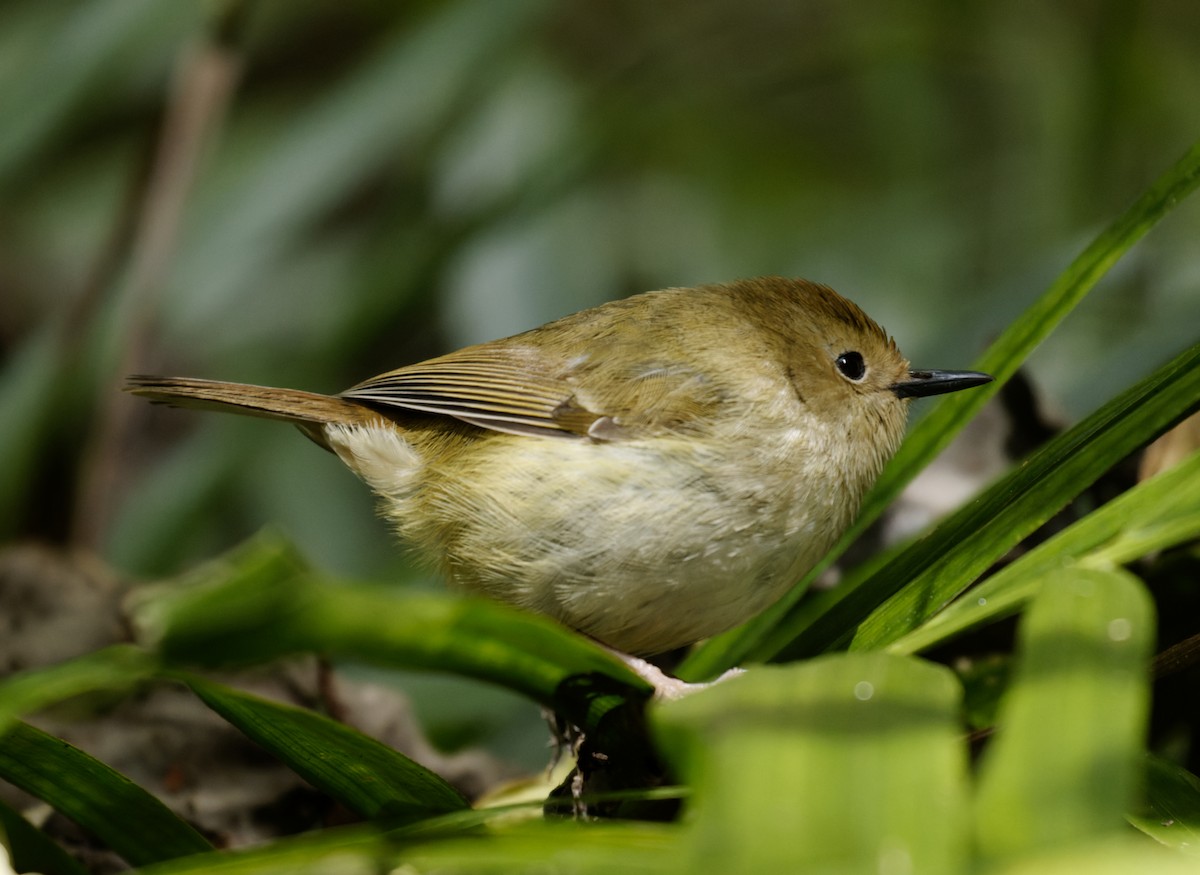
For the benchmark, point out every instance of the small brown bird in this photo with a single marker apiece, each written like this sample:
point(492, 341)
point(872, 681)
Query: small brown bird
point(649, 472)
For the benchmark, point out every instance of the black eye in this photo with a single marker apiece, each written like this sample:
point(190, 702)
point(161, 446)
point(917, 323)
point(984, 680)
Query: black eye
point(851, 365)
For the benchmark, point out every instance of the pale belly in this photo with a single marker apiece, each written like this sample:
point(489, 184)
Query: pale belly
point(642, 546)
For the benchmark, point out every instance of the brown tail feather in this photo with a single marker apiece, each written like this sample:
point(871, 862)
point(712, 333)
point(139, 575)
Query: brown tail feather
point(305, 409)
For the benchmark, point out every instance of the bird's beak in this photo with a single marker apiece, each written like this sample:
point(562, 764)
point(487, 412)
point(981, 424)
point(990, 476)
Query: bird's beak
point(922, 383)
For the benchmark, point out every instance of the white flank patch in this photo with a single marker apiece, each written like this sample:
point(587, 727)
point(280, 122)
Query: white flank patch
point(378, 454)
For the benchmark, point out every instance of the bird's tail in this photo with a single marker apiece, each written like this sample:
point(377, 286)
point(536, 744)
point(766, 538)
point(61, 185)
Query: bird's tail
point(308, 410)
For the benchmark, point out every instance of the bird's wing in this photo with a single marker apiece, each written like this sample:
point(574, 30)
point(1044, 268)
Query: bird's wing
point(523, 389)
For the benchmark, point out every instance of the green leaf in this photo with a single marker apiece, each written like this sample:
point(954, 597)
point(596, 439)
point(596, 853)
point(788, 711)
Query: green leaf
point(1172, 810)
point(260, 603)
point(366, 776)
point(966, 544)
point(107, 804)
point(583, 849)
point(586, 849)
point(1116, 856)
point(115, 668)
point(847, 763)
point(1154, 515)
point(767, 635)
point(31, 850)
point(1064, 765)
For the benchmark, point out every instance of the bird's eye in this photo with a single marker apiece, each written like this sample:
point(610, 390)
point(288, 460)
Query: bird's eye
point(851, 366)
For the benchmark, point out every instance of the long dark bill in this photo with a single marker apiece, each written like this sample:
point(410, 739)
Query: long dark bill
point(922, 383)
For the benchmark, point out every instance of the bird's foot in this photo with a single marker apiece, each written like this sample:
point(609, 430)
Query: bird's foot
point(666, 687)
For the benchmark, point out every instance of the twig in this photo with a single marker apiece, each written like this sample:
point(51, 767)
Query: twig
point(203, 85)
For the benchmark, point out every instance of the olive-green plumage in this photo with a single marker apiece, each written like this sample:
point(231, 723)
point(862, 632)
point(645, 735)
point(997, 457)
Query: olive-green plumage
point(650, 472)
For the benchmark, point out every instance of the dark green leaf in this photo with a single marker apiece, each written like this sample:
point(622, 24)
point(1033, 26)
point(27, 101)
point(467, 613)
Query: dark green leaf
point(31, 849)
point(358, 771)
point(107, 804)
point(93, 39)
point(361, 124)
point(1154, 515)
point(940, 566)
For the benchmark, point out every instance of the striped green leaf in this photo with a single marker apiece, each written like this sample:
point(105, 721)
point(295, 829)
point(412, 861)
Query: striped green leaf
point(104, 802)
point(366, 776)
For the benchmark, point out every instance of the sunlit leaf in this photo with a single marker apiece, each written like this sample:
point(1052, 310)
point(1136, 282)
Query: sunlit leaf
point(1154, 515)
point(1063, 767)
point(847, 763)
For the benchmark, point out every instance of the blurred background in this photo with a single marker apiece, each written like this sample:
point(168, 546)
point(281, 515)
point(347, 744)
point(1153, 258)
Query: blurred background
point(306, 194)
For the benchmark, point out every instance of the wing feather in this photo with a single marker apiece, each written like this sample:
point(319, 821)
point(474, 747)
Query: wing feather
point(510, 389)
point(614, 392)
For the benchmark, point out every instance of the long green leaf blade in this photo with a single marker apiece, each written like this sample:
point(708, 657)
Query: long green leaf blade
point(1064, 765)
point(1154, 515)
point(104, 802)
point(772, 631)
point(358, 771)
point(939, 567)
point(261, 603)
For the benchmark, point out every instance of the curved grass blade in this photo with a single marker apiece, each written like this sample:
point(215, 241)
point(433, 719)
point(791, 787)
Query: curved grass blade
point(1063, 767)
point(261, 603)
point(366, 776)
point(1154, 515)
point(962, 547)
point(767, 635)
point(104, 802)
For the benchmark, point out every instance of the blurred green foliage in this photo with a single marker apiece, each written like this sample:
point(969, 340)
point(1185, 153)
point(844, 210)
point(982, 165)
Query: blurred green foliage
point(366, 184)
point(388, 181)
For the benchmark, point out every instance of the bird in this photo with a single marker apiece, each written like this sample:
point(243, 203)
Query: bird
point(649, 472)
